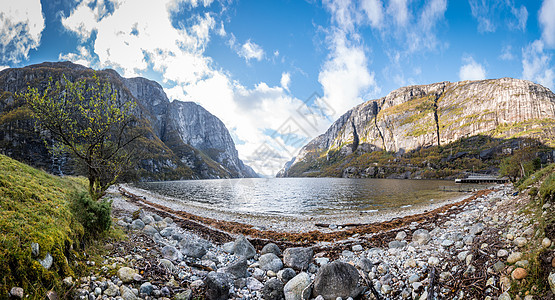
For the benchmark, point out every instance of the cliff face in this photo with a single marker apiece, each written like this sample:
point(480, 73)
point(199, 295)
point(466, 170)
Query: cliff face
point(182, 139)
point(437, 114)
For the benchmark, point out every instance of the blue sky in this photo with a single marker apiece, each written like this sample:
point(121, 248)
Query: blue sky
point(277, 73)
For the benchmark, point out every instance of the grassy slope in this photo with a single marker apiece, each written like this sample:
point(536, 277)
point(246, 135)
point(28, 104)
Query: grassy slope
point(34, 207)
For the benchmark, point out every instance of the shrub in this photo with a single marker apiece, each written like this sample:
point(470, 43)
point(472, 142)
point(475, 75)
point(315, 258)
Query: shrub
point(547, 189)
point(93, 215)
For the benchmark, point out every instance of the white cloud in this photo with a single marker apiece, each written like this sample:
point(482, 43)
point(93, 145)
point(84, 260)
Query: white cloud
point(399, 10)
point(536, 65)
point(489, 13)
point(507, 53)
point(547, 20)
point(250, 50)
point(4, 67)
point(472, 70)
point(221, 30)
point(374, 12)
point(481, 12)
point(82, 57)
point(285, 80)
point(21, 26)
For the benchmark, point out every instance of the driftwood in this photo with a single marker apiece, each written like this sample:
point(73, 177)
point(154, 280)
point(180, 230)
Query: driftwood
point(431, 286)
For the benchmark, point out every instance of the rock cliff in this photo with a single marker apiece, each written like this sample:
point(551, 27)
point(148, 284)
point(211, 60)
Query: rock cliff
point(183, 140)
point(437, 114)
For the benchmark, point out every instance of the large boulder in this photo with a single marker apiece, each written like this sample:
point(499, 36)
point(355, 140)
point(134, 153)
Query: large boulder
point(194, 249)
point(271, 248)
point(238, 268)
point(242, 247)
point(270, 261)
point(273, 290)
point(298, 288)
point(171, 253)
point(217, 286)
point(298, 258)
point(337, 279)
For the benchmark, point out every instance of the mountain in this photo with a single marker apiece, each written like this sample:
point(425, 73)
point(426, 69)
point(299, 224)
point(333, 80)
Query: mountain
point(182, 140)
point(414, 118)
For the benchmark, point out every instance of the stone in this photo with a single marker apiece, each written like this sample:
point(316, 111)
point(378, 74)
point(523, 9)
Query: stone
point(433, 261)
point(553, 262)
point(365, 265)
point(167, 264)
point(126, 274)
point(112, 290)
point(386, 289)
point(396, 244)
point(357, 248)
point(504, 296)
point(186, 295)
point(273, 290)
point(128, 295)
point(138, 224)
point(68, 281)
point(447, 243)
point(171, 253)
point(271, 248)
point(298, 288)
point(520, 242)
point(193, 249)
point(502, 253)
point(510, 236)
point(468, 240)
point(337, 279)
point(514, 257)
point(421, 236)
point(499, 266)
point(146, 289)
point(228, 247)
point(462, 255)
point(35, 249)
point(52, 295)
point(254, 285)
point(17, 292)
point(519, 273)
point(522, 263)
point(401, 235)
point(270, 261)
point(242, 247)
point(166, 232)
point(505, 283)
point(477, 229)
point(238, 268)
point(414, 278)
point(410, 263)
point(298, 258)
point(147, 219)
point(529, 232)
point(217, 286)
point(150, 230)
point(321, 260)
point(47, 261)
point(286, 274)
point(551, 281)
point(546, 243)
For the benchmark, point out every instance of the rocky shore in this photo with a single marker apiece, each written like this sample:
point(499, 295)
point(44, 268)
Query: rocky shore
point(476, 250)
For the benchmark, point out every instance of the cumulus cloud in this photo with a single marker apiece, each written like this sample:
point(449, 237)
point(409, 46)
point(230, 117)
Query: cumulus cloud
point(536, 64)
point(21, 26)
point(82, 57)
point(547, 22)
point(285, 80)
point(250, 50)
point(471, 70)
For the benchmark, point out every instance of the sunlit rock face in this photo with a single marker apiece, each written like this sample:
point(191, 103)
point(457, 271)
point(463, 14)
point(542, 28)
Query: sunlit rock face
point(183, 140)
point(436, 114)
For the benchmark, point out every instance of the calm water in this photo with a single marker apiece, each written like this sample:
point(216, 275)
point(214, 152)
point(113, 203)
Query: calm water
point(303, 196)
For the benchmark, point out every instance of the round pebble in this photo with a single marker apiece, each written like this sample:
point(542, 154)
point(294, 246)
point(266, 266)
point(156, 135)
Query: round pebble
point(519, 273)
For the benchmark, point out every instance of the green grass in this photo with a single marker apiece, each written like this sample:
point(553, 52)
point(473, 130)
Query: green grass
point(34, 207)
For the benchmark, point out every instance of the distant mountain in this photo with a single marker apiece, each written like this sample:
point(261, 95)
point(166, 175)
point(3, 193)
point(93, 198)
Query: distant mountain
point(184, 141)
point(419, 117)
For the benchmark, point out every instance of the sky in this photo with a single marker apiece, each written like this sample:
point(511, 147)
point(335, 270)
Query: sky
point(279, 72)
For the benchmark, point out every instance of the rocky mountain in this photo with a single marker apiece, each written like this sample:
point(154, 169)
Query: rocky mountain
point(434, 115)
point(182, 140)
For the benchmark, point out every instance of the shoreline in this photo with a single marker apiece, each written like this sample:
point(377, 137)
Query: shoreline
point(293, 224)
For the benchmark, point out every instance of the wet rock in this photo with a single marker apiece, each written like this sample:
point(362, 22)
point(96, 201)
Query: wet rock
point(194, 249)
point(519, 273)
point(298, 258)
point(242, 247)
point(47, 261)
point(35, 249)
point(286, 274)
point(138, 224)
point(17, 292)
point(337, 279)
point(126, 274)
point(270, 261)
point(150, 230)
point(217, 286)
point(298, 287)
point(514, 257)
point(271, 248)
point(238, 268)
point(273, 289)
point(146, 289)
point(421, 236)
point(171, 253)
point(253, 284)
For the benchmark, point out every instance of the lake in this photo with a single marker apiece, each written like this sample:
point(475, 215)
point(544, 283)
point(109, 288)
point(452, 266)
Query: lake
point(303, 196)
